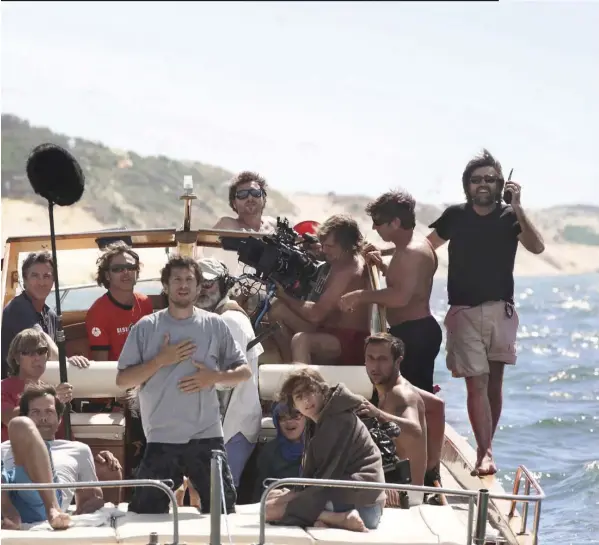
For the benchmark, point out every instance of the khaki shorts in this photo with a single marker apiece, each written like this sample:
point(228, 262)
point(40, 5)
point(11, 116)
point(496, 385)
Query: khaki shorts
point(478, 335)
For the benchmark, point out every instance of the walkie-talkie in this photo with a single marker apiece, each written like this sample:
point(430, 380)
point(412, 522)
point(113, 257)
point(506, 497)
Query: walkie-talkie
point(507, 195)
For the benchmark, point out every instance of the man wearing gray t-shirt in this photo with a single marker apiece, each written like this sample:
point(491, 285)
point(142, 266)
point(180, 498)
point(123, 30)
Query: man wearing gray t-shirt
point(177, 357)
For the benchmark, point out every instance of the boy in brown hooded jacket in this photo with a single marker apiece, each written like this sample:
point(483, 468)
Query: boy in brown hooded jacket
point(338, 446)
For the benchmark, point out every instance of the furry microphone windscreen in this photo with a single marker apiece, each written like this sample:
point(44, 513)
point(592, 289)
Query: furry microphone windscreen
point(55, 174)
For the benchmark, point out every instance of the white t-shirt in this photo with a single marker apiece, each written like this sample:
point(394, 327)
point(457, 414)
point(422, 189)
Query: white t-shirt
point(73, 462)
point(244, 413)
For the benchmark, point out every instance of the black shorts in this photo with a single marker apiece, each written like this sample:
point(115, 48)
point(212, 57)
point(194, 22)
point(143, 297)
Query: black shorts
point(172, 461)
point(422, 339)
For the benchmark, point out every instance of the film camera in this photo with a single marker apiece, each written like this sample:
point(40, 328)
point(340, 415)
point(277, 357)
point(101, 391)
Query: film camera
point(396, 471)
point(279, 257)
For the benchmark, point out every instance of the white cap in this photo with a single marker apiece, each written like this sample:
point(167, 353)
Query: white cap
point(212, 268)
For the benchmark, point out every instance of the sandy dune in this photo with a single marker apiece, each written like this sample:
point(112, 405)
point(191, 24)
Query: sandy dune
point(20, 218)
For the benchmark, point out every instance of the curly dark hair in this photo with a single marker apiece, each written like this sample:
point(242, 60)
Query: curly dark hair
point(346, 232)
point(103, 262)
point(180, 262)
point(484, 159)
point(245, 177)
point(394, 204)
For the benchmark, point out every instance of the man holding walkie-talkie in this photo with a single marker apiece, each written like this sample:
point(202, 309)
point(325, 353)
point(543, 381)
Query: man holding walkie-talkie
point(482, 322)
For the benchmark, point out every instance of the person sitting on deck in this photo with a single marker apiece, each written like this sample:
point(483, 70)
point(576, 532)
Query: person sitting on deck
point(27, 358)
point(34, 455)
point(29, 308)
point(281, 458)
point(319, 328)
point(338, 446)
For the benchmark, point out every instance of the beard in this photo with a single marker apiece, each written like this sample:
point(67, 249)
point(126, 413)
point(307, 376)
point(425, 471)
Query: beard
point(486, 199)
point(208, 301)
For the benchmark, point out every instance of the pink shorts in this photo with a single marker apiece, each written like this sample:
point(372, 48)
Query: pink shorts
point(478, 335)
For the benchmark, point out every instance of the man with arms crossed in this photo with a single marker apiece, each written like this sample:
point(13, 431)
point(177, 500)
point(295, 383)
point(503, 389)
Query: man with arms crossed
point(482, 321)
point(33, 455)
point(409, 284)
point(176, 357)
point(320, 328)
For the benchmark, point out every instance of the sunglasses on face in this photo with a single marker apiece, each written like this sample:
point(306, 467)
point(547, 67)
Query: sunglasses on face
point(379, 221)
point(39, 351)
point(243, 194)
point(487, 178)
point(207, 284)
point(121, 268)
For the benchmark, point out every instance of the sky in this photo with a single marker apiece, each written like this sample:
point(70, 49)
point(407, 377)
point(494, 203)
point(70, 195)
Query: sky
point(354, 98)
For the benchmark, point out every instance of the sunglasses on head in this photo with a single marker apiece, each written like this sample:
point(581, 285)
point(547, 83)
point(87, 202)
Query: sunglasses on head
point(243, 194)
point(120, 268)
point(42, 351)
point(488, 178)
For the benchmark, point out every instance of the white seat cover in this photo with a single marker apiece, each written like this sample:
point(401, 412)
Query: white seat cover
point(97, 380)
point(413, 526)
point(272, 376)
point(75, 536)
point(109, 426)
point(194, 528)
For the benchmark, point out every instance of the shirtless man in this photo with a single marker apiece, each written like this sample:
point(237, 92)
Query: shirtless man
point(409, 283)
point(398, 402)
point(320, 328)
point(247, 198)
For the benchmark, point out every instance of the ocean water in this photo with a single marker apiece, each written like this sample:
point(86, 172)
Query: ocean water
point(550, 418)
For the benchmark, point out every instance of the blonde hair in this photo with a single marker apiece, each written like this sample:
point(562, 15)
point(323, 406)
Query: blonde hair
point(25, 341)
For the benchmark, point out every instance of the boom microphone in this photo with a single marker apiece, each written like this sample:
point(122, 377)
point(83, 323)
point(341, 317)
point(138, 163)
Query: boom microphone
point(55, 175)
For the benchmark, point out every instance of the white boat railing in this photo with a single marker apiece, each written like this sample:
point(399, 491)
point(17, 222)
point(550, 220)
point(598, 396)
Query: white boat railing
point(481, 497)
point(523, 472)
point(110, 484)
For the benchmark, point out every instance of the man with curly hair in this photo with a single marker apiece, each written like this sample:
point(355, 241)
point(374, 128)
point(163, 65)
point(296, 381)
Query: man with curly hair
point(247, 198)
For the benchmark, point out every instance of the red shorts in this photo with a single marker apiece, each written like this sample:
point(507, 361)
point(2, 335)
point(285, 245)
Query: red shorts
point(352, 344)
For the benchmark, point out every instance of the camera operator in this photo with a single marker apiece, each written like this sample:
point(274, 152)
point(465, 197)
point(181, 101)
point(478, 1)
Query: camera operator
point(319, 328)
point(399, 403)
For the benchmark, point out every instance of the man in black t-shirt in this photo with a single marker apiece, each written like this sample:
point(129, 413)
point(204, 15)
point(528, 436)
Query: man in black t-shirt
point(482, 322)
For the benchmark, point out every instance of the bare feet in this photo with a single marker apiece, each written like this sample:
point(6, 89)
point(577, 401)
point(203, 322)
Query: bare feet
point(180, 493)
point(194, 497)
point(349, 520)
point(320, 524)
point(58, 520)
point(10, 523)
point(485, 465)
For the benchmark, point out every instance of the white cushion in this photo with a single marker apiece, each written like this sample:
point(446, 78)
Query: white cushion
point(194, 528)
point(77, 536)
point(97, 380)
point(272, 376)
point(401, 526)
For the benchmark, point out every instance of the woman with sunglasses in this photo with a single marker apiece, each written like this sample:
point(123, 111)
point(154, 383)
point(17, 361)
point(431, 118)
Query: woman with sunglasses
point(27, 357)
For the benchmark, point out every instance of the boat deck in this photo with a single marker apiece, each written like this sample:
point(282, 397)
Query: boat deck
point(419, 525)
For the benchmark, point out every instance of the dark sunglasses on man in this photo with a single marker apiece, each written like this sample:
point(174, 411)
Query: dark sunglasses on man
point(42, 351)
point(487, 178)
point(243, 194)
point(121, 268)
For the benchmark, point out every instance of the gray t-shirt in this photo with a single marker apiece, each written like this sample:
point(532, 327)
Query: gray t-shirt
point(167, 414)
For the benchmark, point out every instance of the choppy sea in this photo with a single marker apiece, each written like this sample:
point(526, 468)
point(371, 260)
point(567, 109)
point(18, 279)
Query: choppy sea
point(550, 418)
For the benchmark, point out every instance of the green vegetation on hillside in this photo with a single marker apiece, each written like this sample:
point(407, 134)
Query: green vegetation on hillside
point(123, 188)
point(580, 234)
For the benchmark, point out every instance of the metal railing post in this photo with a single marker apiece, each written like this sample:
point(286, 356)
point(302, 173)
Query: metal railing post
point(215, 497)
point(470, 519)
point(109, 484)
point(482, 510)
point(525, 507)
